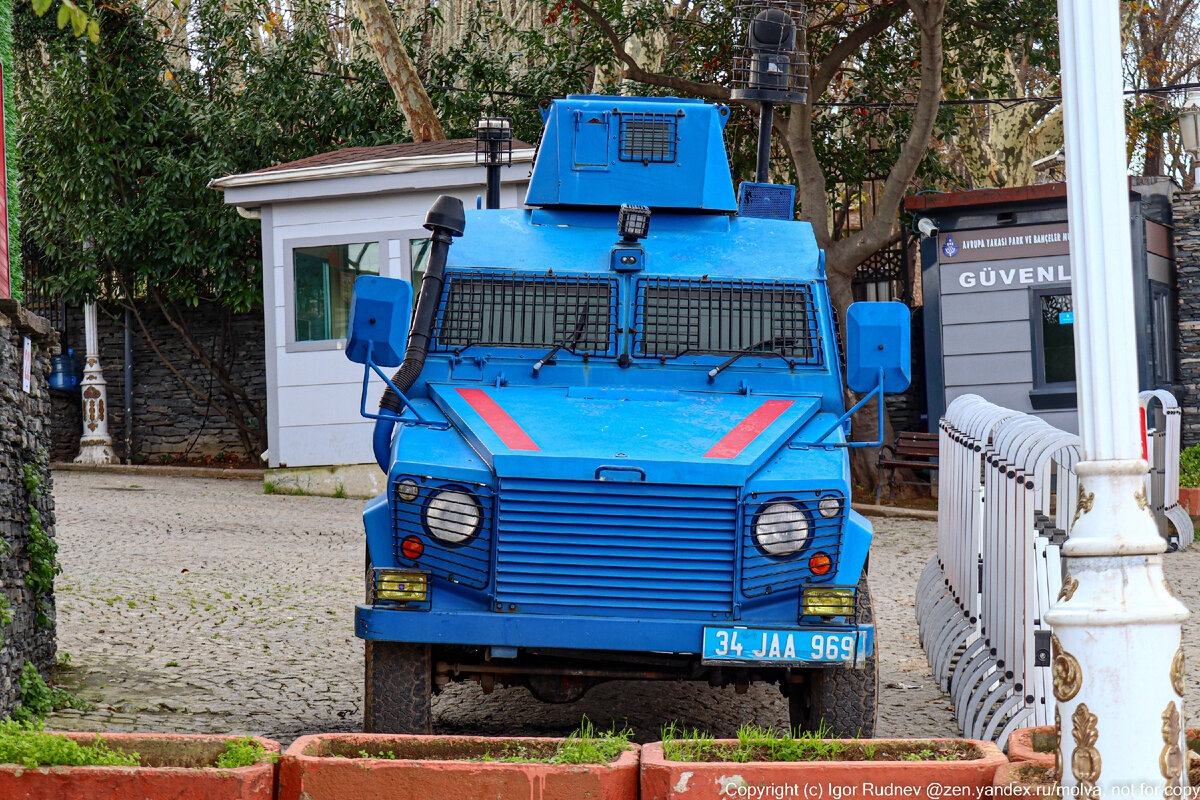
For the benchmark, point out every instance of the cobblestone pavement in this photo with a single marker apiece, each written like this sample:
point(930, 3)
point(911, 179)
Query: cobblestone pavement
point(205, 606)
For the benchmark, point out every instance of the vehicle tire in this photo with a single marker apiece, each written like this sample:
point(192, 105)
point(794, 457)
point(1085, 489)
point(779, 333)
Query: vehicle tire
point(846, 700)
point(398, 688)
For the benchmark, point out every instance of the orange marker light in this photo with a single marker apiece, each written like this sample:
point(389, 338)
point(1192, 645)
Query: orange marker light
point(820, 564)
point(412, 547)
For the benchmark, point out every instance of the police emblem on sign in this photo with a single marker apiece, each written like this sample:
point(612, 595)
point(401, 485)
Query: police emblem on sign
point(949, 249)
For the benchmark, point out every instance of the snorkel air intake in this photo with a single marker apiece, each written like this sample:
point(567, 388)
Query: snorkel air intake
point(445, 220)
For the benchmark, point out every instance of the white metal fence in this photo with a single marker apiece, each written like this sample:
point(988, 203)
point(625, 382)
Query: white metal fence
point(1007, 496)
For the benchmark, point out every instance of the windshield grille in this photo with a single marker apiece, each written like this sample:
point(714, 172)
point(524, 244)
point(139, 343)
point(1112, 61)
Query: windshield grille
point(679, 316)
point(516, 310)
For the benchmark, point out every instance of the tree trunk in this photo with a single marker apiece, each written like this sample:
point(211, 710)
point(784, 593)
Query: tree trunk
point(398, 68)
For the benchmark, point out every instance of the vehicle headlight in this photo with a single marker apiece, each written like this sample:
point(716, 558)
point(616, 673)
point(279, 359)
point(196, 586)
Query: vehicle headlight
point(781, 529)
point(452, 516)
point(830, 506)
point(407, 490)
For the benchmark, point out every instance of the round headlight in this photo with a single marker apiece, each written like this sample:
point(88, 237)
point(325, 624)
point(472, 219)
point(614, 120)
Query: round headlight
point(407, 491)
point(780, 529)
point(830, 506)
point(452, 517)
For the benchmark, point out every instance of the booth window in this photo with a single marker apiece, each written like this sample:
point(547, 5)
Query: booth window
point(324, 278)
point(418, 257)
point(1053, 349)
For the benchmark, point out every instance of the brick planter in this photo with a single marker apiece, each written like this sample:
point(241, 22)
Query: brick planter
point(1024, 779)
point(1189, 498)
point(313, 769)
point(1036, 745)
point(851, 780)
point(176, 769)
point(1032, 744)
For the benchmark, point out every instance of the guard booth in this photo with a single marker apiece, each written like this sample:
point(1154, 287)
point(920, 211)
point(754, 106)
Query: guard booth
point(996, 285)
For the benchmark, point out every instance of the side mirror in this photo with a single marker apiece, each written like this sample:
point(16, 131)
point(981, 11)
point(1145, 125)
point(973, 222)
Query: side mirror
point(379, 313)
point(878, 337)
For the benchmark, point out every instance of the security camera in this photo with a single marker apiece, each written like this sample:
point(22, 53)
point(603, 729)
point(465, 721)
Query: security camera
point(927, 227)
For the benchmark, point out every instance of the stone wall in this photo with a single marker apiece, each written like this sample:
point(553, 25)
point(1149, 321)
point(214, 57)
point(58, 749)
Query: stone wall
point(1187, 266)
point(169, 420)
point(24, 441)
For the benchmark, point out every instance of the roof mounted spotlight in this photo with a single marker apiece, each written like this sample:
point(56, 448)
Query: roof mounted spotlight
point(633, 223)
point(493, 149)
point(771, 66)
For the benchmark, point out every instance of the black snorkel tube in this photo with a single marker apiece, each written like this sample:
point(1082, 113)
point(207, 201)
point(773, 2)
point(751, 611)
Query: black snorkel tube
point(445, 220)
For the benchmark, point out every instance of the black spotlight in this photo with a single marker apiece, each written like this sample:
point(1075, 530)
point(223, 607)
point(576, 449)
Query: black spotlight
point(633, 223)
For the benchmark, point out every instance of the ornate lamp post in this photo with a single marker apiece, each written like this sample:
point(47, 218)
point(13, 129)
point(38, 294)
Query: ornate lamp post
point(1117, 657)
point(95, 446)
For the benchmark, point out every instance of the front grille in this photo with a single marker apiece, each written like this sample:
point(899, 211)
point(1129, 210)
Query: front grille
point(615, 549)
point(763, 573)
point(466, 563)
point(527, 310)
point(677, 316)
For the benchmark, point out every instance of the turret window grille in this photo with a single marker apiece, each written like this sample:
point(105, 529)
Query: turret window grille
point(649, 138)
point(678, 317)
point(523, 310)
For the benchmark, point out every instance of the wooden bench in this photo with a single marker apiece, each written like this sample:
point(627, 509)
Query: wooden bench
point(911, 450)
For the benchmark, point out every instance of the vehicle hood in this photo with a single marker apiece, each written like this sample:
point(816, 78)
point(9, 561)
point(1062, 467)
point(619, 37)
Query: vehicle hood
point(656, 436)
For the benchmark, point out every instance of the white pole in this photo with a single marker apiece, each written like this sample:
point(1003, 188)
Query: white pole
point(95, 446)
point(1117, 663)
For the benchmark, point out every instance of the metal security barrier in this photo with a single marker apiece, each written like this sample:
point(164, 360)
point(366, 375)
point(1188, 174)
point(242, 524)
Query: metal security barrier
point(1007, 492)
point(1161, 416)
point(1007, 498)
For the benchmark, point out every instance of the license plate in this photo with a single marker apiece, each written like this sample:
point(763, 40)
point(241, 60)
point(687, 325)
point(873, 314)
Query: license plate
point(784, 646)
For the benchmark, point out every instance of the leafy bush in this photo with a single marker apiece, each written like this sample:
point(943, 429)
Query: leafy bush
point(38, 698)
point(1189, 467)
point(26, 744)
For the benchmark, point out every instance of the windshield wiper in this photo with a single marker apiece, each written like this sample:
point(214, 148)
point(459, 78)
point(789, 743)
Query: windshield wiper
point(753, 349)
point(580, 324)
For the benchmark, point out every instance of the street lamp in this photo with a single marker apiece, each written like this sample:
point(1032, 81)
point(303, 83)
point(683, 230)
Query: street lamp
point(1189, 124)
point(493, 149)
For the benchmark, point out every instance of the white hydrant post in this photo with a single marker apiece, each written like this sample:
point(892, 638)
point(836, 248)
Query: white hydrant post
point(1117, 656)
point(95, 446)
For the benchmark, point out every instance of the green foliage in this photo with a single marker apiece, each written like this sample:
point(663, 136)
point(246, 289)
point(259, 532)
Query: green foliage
point(753, 744)
point(39, 698)
point(26, 744)
point(1189, 467)
point(42, 550)
point(10, 138)
point(131, 130)
point(241, 753)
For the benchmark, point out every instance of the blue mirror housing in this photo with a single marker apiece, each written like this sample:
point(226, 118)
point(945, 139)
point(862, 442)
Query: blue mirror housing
point(878, 338)
point(379, 313)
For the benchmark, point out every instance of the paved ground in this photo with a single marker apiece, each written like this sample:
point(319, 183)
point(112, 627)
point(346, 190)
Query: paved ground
point(205, 606)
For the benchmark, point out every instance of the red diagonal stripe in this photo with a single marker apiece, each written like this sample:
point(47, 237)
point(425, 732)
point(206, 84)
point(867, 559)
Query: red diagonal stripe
point(504, 426)
point(747, 430)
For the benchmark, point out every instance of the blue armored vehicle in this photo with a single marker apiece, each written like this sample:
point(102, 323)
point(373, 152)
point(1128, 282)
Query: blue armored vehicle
point(616, 441)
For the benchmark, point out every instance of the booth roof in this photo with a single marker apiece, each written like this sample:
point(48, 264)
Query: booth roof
point(351, 155)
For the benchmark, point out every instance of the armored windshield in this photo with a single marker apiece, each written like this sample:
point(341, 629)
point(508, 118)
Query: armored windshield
point(578, 313)
point(677, 316)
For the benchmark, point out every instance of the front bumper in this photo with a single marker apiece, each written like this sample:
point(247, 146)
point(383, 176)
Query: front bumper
point(484, 628)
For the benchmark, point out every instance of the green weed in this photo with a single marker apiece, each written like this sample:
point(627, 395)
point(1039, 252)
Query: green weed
point(26, 744)
point(39, 698)
point(242, 753)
